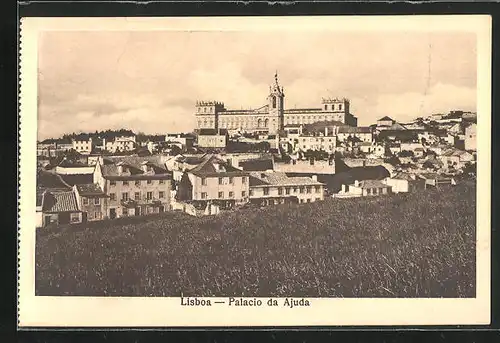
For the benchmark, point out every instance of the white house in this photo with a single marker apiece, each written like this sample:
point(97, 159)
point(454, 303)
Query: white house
point(470, 137)
point(404, 182)
point(365, 188)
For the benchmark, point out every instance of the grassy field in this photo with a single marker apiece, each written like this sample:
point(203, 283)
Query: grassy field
point(407, 245)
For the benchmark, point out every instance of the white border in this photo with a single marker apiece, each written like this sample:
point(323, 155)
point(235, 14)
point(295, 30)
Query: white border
point(159, 312)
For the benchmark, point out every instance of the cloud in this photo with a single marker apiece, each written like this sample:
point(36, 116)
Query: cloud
point(150, 81)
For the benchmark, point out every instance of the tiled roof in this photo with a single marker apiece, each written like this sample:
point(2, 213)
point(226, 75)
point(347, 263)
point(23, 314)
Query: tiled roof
point(372, 184)
point(403, 176)
point(60, 202)
point(354, 129)
point(208, 168)
point(279, 179)
point(90, 189)
point(385, 118)
point(133, 164)
point(454, 152)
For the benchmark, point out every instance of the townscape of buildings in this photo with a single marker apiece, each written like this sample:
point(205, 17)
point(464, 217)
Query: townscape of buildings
point(255, 157)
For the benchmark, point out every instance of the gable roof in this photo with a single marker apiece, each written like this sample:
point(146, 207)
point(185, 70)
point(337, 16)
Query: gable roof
point(385, 119)
point(207, 168)
point(280, 179)
point(372, 184)
point(134, 165)
point(59, 202)
point(90, 189)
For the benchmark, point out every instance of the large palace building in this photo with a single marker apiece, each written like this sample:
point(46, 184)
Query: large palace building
point(272, 117)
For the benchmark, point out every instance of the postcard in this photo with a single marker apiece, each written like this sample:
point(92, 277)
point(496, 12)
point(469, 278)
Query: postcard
point(254, 171)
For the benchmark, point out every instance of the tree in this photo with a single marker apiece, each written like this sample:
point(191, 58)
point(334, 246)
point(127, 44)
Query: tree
point(393, 160)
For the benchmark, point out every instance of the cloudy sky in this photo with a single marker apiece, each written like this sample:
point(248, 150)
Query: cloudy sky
point(150, 81)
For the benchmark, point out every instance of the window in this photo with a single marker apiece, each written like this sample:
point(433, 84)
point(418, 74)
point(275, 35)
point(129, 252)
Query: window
point(375, 191)
point(280, 191)
point(137, 196)
point(85, 201)
point(203, 195)
point(317, 189)
point(302, 190)
point(243, 194)
point(368, 191)
point(266, 191)
point(251, 192)
point(138, 182)
point(125, 183)
point(112, 183)
point(231, 180)
point(243, 180)
point(75, 217)
point(231, 194)
point(308, 200)
point(221, 195)
point(161, 182)
point(112, 196)
point(326, 107)
point(287, 190)
point(124, 196)
point(295, 189)
point(340, 107)
point(380, 190)
point(97, 215)
point(311, 161)
point(308, 189)
point(149, 195)
point(97, 201)
point(203, 182)
point(220, 180)
point(149, 182)
point(161, 195)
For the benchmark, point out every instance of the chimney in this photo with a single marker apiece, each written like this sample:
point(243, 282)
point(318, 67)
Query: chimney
point(326, 131)
point(315, 178)
point(119, 165)
point(343, 188)
point(356, 183)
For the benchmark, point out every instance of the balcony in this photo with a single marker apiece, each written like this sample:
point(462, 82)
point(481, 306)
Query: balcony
point(128, 203)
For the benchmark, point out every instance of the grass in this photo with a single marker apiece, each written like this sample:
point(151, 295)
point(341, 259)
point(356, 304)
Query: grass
point(406, 245)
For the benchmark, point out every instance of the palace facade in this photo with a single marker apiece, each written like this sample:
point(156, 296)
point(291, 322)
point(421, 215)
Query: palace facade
point(272, 117)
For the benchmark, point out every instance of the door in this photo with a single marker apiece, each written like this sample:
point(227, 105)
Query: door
point(112, 213)
point(64, 218)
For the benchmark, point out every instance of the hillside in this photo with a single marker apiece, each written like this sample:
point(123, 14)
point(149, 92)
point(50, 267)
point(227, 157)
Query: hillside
point(406, 245)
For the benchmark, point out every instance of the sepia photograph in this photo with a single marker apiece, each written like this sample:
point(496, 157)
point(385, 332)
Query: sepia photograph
point(272, 167)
